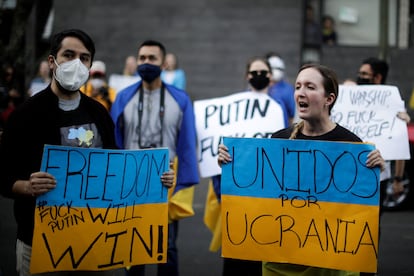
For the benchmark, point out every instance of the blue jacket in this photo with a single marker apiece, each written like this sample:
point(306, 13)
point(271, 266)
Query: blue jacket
point(187, 172)
point(179, 78)
point(283, 92)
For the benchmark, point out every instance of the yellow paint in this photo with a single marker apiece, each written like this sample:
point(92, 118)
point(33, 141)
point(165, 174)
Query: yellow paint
point(331, 235)
point(128, 236)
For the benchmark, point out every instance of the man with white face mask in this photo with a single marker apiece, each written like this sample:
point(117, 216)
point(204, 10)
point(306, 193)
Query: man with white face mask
point(280, 89)
point(52, 116)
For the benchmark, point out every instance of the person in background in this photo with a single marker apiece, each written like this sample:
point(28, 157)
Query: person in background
point(258, 76)
point(349, 81)
point(411, 105)
point(127, 77)
point(10, 92)
point(130, 66)
point(172, 74)
point(313, 34)
point(97, 86)
point(375, 71)
point(316, 90)
point(281, 90)
point(42, 80)
point(329, 36)
point(153, 114)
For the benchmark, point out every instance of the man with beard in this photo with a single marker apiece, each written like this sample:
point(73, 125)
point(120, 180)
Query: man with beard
point(51, 117)
point(153, 114)
point(375, 71)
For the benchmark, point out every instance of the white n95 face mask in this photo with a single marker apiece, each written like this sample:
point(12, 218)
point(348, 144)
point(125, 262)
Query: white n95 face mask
point(97, 83)
point(71, 75)
point(277, 75)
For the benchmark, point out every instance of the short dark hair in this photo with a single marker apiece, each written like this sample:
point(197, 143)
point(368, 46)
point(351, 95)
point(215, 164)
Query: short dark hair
point(378, 66)
point(154, 43)
point(328, 17)
point(56, 42)
point(257, 58)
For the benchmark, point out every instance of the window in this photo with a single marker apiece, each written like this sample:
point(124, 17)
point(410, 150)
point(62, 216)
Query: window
point(358, 23)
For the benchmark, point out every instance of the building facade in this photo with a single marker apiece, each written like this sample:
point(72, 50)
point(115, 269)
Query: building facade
point(213, 39)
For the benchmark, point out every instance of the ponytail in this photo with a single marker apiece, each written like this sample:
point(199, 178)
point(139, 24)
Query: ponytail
point(296, 128)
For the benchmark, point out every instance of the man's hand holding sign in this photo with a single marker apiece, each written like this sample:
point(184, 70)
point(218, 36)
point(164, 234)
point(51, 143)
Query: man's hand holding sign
point(99, 211)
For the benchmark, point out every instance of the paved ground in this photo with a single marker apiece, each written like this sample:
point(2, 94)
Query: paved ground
point(395, 256)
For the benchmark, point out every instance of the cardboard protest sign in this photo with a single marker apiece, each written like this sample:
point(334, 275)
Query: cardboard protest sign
point(312, 203)
point(370, 111)
point(119, 82)
point(108, 210)
point(244, 114)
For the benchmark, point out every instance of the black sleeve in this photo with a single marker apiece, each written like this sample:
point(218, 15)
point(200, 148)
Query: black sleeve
point(283, 133)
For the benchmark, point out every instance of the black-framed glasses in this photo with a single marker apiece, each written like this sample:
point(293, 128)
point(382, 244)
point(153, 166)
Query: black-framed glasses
point(255, 73)
point(364, 74)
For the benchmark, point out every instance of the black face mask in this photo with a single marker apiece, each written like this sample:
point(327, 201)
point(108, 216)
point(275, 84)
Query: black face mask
point(149, 72)
point(360, 80)
point(259, 82)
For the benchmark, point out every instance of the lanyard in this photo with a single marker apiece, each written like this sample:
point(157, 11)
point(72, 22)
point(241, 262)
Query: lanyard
point(141, 110)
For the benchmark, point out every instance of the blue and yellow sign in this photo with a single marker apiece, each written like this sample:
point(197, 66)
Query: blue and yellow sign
point(108, 210)
point(313, 203)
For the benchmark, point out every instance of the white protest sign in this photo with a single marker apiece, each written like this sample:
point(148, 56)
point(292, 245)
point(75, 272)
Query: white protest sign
point(244, 114)
point(119, 82)
point(370, 111)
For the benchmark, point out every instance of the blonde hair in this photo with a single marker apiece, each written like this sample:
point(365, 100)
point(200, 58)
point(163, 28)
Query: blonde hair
point(296, 128)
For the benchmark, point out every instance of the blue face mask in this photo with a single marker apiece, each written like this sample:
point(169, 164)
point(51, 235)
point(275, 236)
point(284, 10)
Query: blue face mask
point(149, 72)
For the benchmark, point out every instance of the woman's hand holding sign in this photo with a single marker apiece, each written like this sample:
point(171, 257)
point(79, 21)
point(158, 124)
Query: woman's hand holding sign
point(223, 156)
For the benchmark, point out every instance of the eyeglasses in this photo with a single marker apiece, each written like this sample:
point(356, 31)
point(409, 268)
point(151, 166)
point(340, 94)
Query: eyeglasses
point(256, 73)
point(364, 74)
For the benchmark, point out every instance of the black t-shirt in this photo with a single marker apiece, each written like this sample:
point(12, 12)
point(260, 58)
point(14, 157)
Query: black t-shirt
point(339, 133)
point(77, 129)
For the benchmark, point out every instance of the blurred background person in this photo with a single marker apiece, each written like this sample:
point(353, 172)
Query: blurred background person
point(312, 39)
point(172, 74)
point(375, 71)
point(412, 100)
point(127, 77)
point(42, 80)
point(349, 81)
point(313, 36)
point(329, 36)
point(97, 86)
point(130, 67)
point(10, 92)
point(281, 90)
point(258, 76)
